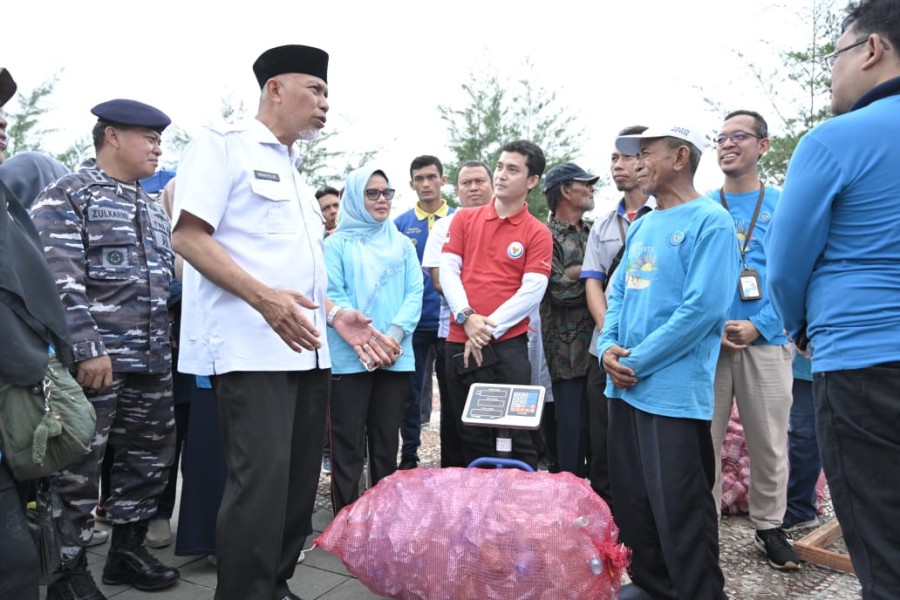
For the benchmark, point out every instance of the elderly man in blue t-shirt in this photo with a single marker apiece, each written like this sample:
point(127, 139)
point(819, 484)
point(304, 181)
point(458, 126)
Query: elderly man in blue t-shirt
point(659, 344)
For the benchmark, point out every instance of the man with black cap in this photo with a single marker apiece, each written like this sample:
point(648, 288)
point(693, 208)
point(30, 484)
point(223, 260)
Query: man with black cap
point(566, 322)
point(659, 345)
point(253, 317)
point(109, 247)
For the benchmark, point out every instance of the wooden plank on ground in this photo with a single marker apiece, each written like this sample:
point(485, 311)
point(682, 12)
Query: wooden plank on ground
point(813, 548)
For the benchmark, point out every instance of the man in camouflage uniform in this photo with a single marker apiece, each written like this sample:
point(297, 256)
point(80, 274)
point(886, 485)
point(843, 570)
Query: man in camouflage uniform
point(109, 248)
point(566, 322)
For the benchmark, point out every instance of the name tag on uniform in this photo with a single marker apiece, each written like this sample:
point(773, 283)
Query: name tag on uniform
point(266, 175)
point(100, 213)
point(748, 286)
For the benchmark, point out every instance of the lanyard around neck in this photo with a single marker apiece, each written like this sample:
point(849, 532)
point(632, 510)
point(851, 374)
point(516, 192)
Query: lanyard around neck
point(759, 201)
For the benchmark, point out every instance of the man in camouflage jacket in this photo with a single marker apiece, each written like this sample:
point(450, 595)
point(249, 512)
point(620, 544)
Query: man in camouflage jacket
point(109, 248)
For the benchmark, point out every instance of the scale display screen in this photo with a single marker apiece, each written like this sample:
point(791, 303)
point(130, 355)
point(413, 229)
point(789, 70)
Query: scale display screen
point(504, 405)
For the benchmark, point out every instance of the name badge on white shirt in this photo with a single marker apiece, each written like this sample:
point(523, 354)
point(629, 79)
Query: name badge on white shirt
point(266, 175)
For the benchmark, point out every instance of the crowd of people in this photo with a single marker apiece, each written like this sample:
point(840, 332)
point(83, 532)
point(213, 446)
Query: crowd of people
point(264, 334)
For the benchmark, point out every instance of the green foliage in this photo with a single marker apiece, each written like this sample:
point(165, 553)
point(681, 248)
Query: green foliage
point(317, 166)
point(799, 89)
point(24, 131)
point(174, 141)
point(495, 114)
point(806, 100)
point(77, 153)
point(26, 134)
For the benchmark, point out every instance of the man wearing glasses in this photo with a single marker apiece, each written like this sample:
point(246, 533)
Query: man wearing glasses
point(754, 366)
point(834, 277)
point(254, 316)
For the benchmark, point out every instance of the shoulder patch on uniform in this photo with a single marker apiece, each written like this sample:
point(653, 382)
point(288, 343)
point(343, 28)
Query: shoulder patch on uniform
point(225, 128)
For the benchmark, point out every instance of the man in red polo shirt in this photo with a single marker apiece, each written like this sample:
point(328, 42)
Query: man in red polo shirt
point(494, 270)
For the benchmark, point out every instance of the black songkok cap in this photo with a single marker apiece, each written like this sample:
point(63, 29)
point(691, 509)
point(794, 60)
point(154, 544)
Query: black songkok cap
point(7, 86)
point(132, 113)
point(291, 59)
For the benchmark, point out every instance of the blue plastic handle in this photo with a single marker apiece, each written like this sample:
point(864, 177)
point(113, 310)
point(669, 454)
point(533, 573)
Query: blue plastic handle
point(501, 463)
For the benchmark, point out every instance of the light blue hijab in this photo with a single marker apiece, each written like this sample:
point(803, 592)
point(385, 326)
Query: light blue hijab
point(378, 250)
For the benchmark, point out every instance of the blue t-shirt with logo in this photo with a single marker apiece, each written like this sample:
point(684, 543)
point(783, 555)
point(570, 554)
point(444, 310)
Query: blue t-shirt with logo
point(670, 298)
point(759, 312)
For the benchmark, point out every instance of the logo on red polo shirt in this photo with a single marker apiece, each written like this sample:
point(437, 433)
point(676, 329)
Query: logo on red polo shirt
point(515, 250)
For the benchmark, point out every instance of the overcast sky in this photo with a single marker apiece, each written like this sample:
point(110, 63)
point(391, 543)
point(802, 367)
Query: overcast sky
point(612, 64)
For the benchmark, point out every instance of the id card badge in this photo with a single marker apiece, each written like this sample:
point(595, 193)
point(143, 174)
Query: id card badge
point(749, 285)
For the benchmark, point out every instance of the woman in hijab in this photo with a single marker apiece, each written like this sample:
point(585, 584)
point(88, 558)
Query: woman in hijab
point(372, 268)
point(27, 174)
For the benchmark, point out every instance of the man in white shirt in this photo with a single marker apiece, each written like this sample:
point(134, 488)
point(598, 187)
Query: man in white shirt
point(254, 308)
point(473, 188)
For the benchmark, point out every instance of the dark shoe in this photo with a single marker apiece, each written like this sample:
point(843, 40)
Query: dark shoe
point(129, 563)
point(283, 592)
point(75, 586)
point(75, 583)
point(630, 591)
point(792, 523)
point(407, 463)
point(774, 543)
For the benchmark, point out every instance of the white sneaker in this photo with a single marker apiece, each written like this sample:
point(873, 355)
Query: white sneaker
point(159, 534)
point(100, 536)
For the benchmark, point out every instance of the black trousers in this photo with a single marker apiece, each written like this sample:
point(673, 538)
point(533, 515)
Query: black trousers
point(662, 471)
point(598, 430)
point(451, 446)
point(19, 566)
point(512, 366)
point(365, 412)
point(857, 413)
point(273, 424)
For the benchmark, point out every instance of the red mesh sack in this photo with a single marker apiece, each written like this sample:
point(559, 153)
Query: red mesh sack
point(735, 468)
point(467, 534)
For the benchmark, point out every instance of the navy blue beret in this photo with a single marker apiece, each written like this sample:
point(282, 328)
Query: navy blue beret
point(293, 58)
point(132, 113)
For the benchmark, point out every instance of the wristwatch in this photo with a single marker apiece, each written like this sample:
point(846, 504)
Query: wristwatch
point(463, 315)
